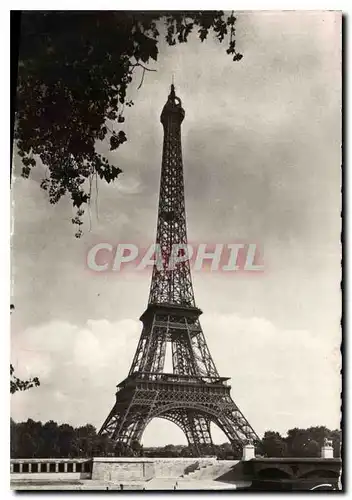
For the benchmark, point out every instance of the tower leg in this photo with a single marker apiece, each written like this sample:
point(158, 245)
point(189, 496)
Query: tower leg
point(198, 434)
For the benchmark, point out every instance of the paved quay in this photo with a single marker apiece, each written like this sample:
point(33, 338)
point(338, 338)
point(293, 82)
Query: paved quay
point(155, 484)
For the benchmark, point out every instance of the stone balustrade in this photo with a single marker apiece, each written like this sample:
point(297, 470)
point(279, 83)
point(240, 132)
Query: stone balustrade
point(121, 469)
point(77, 467)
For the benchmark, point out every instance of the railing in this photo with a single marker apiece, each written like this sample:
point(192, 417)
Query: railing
point(177, 326)
point(174, 377)
point(50, 465)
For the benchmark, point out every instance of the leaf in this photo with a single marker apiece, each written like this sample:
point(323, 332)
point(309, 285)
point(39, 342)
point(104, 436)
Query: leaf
point(114, 143)
point(74, 73)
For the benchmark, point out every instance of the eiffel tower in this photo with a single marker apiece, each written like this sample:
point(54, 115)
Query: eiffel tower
point(194, 394)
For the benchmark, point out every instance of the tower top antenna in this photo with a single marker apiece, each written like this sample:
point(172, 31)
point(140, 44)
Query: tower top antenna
point(173, 85)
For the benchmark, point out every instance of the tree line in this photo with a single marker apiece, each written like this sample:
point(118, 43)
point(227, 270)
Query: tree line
point(33, 439)
point(300, 442)
point(42, 440)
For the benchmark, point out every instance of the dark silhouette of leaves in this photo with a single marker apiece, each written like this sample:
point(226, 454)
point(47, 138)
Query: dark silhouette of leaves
point(17, 384)
point(74, 72)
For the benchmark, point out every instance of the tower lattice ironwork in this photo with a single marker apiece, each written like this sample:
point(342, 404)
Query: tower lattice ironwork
point(194, 394)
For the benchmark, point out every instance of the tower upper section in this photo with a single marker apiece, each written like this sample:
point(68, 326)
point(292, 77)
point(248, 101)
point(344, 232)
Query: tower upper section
point(171, 279)
point(172, 110)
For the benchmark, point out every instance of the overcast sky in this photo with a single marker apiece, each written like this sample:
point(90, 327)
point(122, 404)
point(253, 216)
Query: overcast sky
point(261, 150)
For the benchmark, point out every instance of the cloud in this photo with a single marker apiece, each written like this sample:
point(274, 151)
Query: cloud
point(272, 372)
point(275, 372)
point(81, 364)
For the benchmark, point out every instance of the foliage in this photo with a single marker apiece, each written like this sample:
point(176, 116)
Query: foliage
point(300, 442)
point(36, 440)
point(273, 445)
point(73, 77)
point(17, 384)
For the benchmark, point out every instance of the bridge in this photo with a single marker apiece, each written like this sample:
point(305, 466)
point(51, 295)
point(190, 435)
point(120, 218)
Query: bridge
point(293, 473)
point(111, 473)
